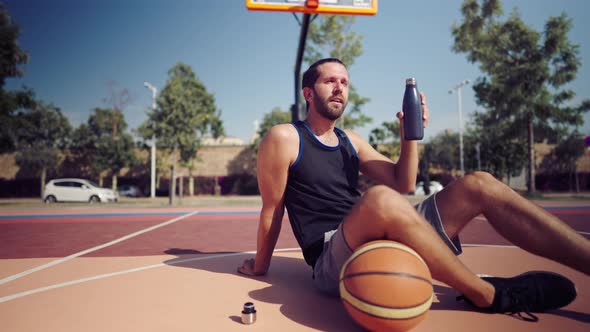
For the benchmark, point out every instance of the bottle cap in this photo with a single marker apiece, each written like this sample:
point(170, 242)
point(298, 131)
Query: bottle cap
point(249, 308)
point(410, 81)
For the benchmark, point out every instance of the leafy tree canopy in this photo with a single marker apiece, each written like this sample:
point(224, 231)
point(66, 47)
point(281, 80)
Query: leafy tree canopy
point(386, 139)
point(11, 55)
point(11, 59)
point(41, 133)
point(525, 72)
point(185, 111)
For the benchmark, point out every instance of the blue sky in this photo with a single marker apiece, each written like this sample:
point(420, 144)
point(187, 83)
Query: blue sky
point(246, 59)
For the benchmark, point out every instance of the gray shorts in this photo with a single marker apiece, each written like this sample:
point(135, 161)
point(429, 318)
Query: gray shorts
point(337, 251)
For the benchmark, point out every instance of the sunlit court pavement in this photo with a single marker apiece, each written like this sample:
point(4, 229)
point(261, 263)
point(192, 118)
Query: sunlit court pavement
point(146, 266)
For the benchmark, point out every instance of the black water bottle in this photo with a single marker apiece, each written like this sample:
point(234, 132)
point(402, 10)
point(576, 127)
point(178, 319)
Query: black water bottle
point(412, 108)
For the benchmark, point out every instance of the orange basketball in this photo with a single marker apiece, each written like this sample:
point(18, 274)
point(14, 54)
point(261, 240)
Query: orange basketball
point(386, 286)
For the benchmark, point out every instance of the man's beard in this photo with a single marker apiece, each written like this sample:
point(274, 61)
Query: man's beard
point(324, 109)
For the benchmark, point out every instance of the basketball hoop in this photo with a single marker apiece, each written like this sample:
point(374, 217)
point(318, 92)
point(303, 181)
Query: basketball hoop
point(339, 7)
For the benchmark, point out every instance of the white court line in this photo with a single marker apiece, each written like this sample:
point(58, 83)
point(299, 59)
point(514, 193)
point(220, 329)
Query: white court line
point(176, 262)
point(137, 269)
point(84, 252)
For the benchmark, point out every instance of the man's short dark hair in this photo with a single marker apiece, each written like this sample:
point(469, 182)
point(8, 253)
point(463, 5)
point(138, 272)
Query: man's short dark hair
point(312, 73)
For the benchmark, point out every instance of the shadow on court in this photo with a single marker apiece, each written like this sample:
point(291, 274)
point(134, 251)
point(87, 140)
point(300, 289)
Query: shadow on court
point(290, 286)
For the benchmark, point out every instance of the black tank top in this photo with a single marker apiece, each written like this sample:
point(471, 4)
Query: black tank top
point(321, 188)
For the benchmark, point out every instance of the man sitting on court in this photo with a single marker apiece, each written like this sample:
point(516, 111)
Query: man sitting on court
point(312, 168)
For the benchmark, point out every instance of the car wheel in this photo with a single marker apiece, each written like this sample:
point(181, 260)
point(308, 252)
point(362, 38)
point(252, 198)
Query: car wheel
point(50, 199)
point(94, 199)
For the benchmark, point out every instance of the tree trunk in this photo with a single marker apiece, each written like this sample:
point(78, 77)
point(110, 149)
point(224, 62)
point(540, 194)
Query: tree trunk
point(100, 181)
point(172, 178)
point(43, 178)
point(114, 182)
point(217, 187)
point(172, 185)
point(531, 171)
point(191, 184)
point(180, 188)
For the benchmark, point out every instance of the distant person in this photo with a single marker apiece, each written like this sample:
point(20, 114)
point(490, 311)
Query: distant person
point(311, 168)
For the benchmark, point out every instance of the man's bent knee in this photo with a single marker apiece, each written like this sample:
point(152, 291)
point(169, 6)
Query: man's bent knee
point(382, 201)
point(476, 182)
point(380, 210)
point(384, 208)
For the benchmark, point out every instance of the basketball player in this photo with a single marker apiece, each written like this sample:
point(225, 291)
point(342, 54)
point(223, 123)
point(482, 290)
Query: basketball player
point(312, 168)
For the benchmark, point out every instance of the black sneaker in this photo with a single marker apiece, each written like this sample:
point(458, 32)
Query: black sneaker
point(530, 292)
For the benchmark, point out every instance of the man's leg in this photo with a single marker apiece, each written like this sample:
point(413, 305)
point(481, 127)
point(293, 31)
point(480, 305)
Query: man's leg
point(383, 213)
point(517, 219)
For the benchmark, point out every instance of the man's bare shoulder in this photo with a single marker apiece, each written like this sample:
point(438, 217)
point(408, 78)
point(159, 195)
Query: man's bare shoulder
point(282, 132)
point(281, 143)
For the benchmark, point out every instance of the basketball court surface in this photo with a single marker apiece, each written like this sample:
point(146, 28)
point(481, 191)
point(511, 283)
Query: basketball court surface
point(115, 268)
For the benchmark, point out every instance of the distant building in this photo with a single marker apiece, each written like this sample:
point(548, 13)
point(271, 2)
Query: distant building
point(222, 141)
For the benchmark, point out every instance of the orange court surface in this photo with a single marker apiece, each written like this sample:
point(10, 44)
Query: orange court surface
point(117, 268)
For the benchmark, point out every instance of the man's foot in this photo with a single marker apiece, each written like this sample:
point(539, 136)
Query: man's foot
point(530, 292)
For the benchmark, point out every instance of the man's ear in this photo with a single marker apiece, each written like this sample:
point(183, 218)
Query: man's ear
point(307, 93)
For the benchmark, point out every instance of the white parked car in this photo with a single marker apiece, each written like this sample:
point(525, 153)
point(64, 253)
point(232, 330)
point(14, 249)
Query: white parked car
point(434, 186)
point(77, 190)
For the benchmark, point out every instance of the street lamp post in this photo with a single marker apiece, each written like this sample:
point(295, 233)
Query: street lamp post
point(458, 89)
point(153, 144)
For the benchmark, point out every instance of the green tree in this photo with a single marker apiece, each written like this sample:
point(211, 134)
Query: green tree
point(500, 152)
point(11, 55)
point(386, 139)
point(332, 37)
point(524, 70)
point(185, 112)
point(564, 157)
point(11, 58)
point(42, 133)
point(104, 151)
point(84, 152)
point(444, 151)
point(10, 103)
